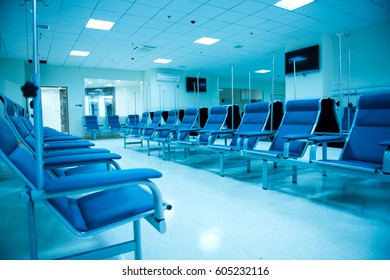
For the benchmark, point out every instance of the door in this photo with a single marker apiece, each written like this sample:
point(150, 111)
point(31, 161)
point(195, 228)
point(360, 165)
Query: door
point(55, 108)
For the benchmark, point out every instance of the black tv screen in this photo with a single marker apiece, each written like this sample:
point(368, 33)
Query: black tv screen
point(306, 59)
point(192, 84)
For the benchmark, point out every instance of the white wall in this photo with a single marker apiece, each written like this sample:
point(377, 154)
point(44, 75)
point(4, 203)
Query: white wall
point(12, 78)
point(370, 57)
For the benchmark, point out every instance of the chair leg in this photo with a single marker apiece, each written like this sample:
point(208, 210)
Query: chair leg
point(32, 231)
point(265, 174)
point(295, 174)
point(137, 239)
point(248, 165)
point(221, 165)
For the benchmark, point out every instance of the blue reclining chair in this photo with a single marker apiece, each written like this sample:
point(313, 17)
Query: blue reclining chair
point(165, 135)
point(290, 141)
point(163, 130)
point(114, 123)
point(136, 131)
point(105, 200)
point(132, 120)
point(366, 151)
point(62, 159)
point(208, 134)
point(156, 122)
point(91, 125)
point(19, 127)
point(254, 120)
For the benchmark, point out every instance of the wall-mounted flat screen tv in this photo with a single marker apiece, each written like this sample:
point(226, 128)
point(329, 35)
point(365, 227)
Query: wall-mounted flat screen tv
point(192, 84)
point(306, 59)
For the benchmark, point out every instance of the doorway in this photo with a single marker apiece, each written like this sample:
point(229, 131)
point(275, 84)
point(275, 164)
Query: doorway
point(55, 112)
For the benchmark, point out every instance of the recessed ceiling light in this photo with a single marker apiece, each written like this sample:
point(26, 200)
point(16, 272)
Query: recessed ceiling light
point(262, 71)
point(207, 41)
point(292, 4)
point(99, 24)
point(162, 60)
point(79, 53)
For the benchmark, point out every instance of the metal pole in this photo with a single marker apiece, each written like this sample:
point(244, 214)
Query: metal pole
point(197, 83)
point(295, 81)
point(272, 91)
point(349, 88)
point(340, 77)
point(250, 87)
point(38, 123)
point(232, 70)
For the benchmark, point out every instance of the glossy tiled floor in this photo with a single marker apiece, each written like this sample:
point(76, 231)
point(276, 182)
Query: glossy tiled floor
point(231, 217)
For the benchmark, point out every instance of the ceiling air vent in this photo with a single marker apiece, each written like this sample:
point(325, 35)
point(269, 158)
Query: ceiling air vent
point(143, 48)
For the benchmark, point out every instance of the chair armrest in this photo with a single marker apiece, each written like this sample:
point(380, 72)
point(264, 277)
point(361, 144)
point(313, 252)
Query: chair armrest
point(292, 137)
point(81, 159)
point(67, 144)
point(255, 134)
point(385, 143)
point(82, 183)
point(327, 139)
point(68, 152)
point(315, 141)
point(186, 130)
point(217, 131)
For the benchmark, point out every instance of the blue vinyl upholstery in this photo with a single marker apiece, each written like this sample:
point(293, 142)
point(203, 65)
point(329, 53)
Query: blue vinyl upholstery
point(300, 118)
point(216, 120)
point(105, 199)
point(371, 127)
point(113, 122)
point(254, 119)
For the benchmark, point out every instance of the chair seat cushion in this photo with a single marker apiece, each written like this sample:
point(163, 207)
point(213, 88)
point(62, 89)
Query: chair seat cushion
point(112, 205)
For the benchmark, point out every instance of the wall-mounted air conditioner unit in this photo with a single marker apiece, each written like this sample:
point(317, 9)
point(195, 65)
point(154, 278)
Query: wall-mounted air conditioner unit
point(167, 77)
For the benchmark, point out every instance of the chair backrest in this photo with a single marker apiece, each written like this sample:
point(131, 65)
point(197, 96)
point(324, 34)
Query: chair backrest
point(113, 122)
point(189, 120)
point(170, 123)
point(216, 121)
point(328, 122)
point(254, 119)
point(19, 159)
point(300, 117)
point(133, 119)
point(156, 121)
point(370, 127)
point(91, 122)
point(18, 127)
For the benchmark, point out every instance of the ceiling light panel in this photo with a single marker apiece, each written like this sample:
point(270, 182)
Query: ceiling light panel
point(78, 53)
point(263, 71)
point(162, 60)
point(207, 41)
point(99, 24)
point(291, 5)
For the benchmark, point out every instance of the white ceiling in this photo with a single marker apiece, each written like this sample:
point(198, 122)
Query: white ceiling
point(257, 26)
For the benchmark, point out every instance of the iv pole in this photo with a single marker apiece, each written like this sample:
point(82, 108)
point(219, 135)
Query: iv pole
point(349, 87)
point(339, 35)
point(232, 70)
point(38, 123)
point(272, 92)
